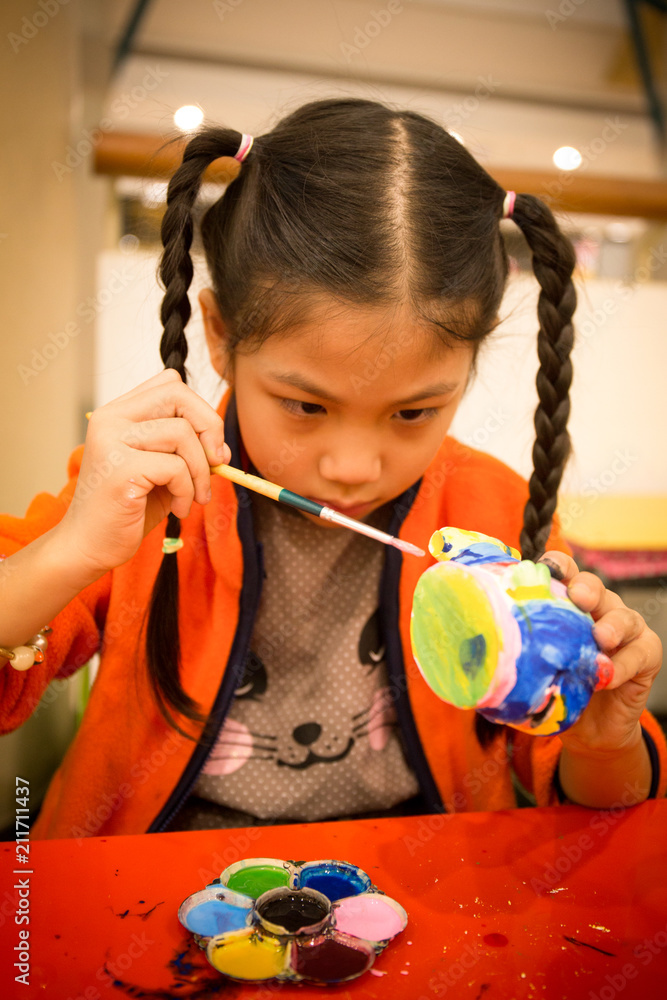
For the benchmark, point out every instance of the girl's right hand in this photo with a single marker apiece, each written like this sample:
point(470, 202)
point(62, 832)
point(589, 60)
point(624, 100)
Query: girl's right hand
point(148, 453)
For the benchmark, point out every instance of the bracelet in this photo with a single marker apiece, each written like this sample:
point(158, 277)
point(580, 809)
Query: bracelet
point(23, 657)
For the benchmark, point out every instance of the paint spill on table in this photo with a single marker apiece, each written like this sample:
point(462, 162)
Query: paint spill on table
point(191, 977)
point(495, 940)
point(586, 944)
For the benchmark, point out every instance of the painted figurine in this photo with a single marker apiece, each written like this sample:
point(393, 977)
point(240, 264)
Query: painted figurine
point(497, 634)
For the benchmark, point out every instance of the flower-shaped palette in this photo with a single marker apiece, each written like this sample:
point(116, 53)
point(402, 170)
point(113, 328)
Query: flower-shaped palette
point(319, 921)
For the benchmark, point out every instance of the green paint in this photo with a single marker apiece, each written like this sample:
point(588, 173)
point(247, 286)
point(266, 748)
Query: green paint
point(454, 635)
point(294, 500)
point(255, 880)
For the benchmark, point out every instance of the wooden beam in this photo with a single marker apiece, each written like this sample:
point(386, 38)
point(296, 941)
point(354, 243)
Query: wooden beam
point(133, 154)
point(138, 155)
point(583, 192)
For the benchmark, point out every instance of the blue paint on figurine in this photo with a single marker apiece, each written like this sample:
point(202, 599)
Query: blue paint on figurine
point(498, 634)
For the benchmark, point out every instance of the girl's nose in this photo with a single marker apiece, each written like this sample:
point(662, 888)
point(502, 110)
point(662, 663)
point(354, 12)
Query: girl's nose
point(351, 465)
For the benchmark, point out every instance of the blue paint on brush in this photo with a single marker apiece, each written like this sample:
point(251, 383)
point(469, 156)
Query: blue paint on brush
point(214, 916)
point(334, 881)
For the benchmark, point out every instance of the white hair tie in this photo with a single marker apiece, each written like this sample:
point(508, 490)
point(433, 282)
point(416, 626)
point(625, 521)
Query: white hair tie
point(508, 204)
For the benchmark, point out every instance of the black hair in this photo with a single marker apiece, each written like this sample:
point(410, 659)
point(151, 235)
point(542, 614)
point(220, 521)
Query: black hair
point(370, 205)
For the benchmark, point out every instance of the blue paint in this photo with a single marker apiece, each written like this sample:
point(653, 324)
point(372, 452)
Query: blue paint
point(559, 660)
point(214, 916)
point(557, 647)
point(334, 881)
point(183, 967)
point(471, 654)
point(479, 553)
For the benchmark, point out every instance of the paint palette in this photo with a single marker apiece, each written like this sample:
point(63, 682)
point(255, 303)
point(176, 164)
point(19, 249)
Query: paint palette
point(318, 921)
point(496, 634)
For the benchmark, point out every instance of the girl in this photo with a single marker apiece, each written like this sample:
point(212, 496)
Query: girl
point(256, 666)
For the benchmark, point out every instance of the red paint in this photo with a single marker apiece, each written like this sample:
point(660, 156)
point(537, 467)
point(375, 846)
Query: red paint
point(331, 959)
point(495, 940)
point(605, 671)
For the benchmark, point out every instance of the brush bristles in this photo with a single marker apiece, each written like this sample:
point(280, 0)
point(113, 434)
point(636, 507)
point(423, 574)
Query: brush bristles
point(408, 547)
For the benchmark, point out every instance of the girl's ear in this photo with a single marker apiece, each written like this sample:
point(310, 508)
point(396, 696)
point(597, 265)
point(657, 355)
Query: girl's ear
point(217, 338)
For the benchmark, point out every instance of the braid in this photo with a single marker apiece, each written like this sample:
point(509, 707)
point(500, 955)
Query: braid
point(163, 651)
point(553, 264)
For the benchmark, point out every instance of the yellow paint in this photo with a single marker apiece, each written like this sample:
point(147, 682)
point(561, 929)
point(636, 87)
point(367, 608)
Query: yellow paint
point(453, 607)
point(462, 539)
point(549, 725)
point(530, 581)
point(247, 956)
point(537, 593)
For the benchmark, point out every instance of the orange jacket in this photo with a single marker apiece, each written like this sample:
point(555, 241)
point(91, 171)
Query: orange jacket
point(128, 772)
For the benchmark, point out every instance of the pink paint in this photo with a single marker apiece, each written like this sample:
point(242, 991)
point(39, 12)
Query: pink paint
point(504, 677)
point(370, 916)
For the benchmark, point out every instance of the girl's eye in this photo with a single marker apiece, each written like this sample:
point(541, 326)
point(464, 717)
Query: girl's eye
point(417, 416)
point(301, 409)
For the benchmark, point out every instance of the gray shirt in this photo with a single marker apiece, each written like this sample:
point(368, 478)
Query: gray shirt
point(312, 731)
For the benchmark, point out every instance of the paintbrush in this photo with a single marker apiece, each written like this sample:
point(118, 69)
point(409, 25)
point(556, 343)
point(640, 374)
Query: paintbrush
point(276, 492)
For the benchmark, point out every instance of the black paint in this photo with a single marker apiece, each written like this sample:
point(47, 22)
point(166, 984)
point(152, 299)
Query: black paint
point(585, 944)
point(293, 911)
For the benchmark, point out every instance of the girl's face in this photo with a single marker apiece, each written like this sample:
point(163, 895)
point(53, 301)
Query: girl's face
point(350, 408)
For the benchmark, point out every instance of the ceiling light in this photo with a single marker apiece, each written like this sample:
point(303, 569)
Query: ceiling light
point(567, 158)
point(189, 117)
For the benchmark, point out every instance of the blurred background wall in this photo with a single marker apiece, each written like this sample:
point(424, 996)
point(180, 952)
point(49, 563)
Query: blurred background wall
point(514, 80)
point(53, 77)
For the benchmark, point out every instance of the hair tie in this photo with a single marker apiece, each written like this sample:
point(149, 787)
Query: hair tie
point(508, 204)
point(171, 545)
point(244, 148)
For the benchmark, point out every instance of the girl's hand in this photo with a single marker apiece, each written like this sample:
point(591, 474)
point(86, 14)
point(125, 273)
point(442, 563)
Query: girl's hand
point(147, 453)
point(611, 719)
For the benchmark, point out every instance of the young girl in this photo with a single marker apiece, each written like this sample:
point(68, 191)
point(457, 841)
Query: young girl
point(256, 664)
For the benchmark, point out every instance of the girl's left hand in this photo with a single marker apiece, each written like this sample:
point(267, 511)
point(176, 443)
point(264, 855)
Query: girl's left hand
point(611, 719)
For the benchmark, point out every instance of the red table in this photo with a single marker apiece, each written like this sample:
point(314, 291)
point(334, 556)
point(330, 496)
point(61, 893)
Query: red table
point(544, 903)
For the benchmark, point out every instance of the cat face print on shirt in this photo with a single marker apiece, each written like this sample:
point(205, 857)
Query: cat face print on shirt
point(318, 730)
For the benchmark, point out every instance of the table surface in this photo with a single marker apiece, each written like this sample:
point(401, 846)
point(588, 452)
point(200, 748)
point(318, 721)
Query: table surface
point(542, 903)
